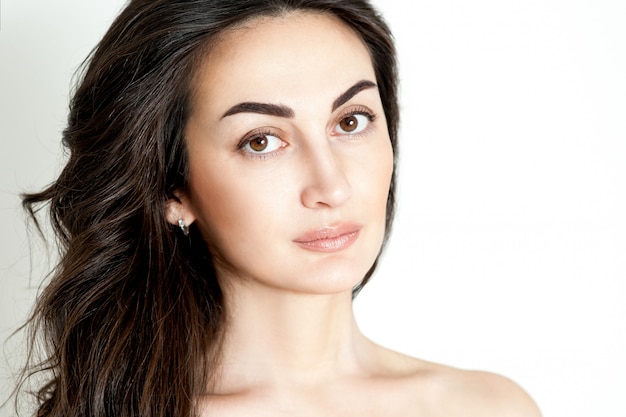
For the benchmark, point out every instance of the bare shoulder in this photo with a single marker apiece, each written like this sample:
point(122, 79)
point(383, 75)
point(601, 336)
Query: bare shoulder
point(444, 390)
point(484, 394)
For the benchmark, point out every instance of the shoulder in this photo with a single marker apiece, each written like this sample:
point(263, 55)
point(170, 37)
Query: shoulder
point(444, 390)
point(487, 394)
point(457, 392)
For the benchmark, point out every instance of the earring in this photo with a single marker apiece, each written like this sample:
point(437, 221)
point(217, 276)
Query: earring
point(183, 227)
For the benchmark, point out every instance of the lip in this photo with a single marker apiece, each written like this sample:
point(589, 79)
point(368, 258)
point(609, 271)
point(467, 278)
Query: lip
point(332, 238)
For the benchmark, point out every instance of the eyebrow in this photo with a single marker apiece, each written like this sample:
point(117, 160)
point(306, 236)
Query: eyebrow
point(280, 110)
point(351, 92)
point(261, 108)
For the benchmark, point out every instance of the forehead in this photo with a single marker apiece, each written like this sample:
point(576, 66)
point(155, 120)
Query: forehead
point(283, 59)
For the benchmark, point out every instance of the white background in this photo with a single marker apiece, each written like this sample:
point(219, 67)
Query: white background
point(509, 249)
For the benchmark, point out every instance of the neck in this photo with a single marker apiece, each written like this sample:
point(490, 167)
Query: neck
point(276, 338)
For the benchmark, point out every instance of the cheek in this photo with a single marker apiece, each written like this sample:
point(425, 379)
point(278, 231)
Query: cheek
point(381, 182)
point(387, 166)
point(375, 173)
point(213, 197)
point(228, 204)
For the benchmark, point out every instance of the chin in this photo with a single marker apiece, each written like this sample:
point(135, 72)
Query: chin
point(331, 278)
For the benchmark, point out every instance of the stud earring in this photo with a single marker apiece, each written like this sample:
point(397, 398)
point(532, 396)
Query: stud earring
point(183, 227)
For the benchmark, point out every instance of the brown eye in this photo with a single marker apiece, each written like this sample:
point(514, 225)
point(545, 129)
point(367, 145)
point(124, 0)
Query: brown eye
point(349, 124)
point(262, 143)
point(353, 123)
point(259, 144)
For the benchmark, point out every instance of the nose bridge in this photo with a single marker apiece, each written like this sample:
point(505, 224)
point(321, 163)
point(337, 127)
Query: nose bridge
point(326, 184)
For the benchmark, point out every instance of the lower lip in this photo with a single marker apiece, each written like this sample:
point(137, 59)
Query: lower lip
point(335, 244)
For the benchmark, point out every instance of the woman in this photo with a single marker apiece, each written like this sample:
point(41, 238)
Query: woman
point(230, 185)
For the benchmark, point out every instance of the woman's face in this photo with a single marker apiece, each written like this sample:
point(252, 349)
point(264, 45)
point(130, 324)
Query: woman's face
point(289, 155)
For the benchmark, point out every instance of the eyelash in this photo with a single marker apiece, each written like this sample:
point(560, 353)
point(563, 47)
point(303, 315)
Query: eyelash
point(363, 111)
point(254, 135)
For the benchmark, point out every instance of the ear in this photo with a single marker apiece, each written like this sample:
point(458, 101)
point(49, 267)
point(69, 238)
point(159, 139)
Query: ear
point(179, 208)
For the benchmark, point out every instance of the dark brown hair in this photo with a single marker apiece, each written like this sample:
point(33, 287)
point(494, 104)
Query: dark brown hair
point(132, 316)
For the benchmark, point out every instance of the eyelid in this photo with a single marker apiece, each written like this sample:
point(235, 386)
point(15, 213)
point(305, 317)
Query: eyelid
point(352, 111)
point(262, 131)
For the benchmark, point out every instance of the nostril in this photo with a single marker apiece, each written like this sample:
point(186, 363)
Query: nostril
point(330, 192)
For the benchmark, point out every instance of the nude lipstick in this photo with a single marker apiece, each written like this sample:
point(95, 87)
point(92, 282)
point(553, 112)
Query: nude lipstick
point(330, 238)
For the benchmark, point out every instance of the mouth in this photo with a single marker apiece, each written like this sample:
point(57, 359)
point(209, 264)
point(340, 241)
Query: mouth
point(330, 238)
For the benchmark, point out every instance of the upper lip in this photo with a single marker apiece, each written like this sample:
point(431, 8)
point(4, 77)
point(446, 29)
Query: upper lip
point(328, 232)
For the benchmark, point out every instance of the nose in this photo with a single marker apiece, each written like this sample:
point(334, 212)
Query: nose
point(326, 184)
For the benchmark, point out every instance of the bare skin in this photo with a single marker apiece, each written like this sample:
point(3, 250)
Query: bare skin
point(315, 157)
point(342, 373)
